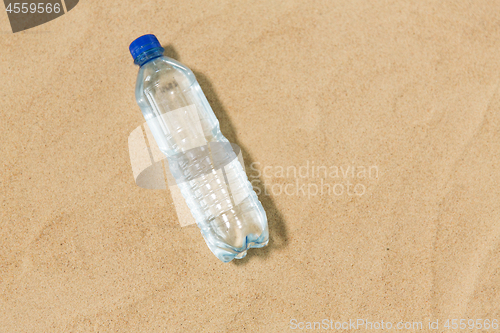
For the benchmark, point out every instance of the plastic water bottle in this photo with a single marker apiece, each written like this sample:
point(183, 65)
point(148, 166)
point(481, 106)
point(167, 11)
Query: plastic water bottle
point(202, 161)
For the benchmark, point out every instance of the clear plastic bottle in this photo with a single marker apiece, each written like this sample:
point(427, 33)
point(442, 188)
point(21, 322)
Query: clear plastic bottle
point(202, 161)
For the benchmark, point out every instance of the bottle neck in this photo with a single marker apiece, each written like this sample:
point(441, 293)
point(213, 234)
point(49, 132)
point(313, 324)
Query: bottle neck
point(148, 55)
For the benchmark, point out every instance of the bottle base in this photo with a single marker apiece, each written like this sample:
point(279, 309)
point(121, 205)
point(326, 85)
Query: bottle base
point(227, 253)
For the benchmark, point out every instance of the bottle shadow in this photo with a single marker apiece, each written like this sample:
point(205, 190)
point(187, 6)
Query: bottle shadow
point(278, 237)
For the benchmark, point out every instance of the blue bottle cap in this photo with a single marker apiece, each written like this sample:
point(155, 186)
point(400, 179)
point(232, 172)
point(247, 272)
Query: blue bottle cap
point(142, 44)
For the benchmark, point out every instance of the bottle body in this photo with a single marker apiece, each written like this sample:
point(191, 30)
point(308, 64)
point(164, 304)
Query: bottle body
point(203, 163)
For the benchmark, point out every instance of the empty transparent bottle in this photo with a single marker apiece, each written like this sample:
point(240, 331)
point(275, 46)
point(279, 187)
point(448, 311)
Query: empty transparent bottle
point(202, 161)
